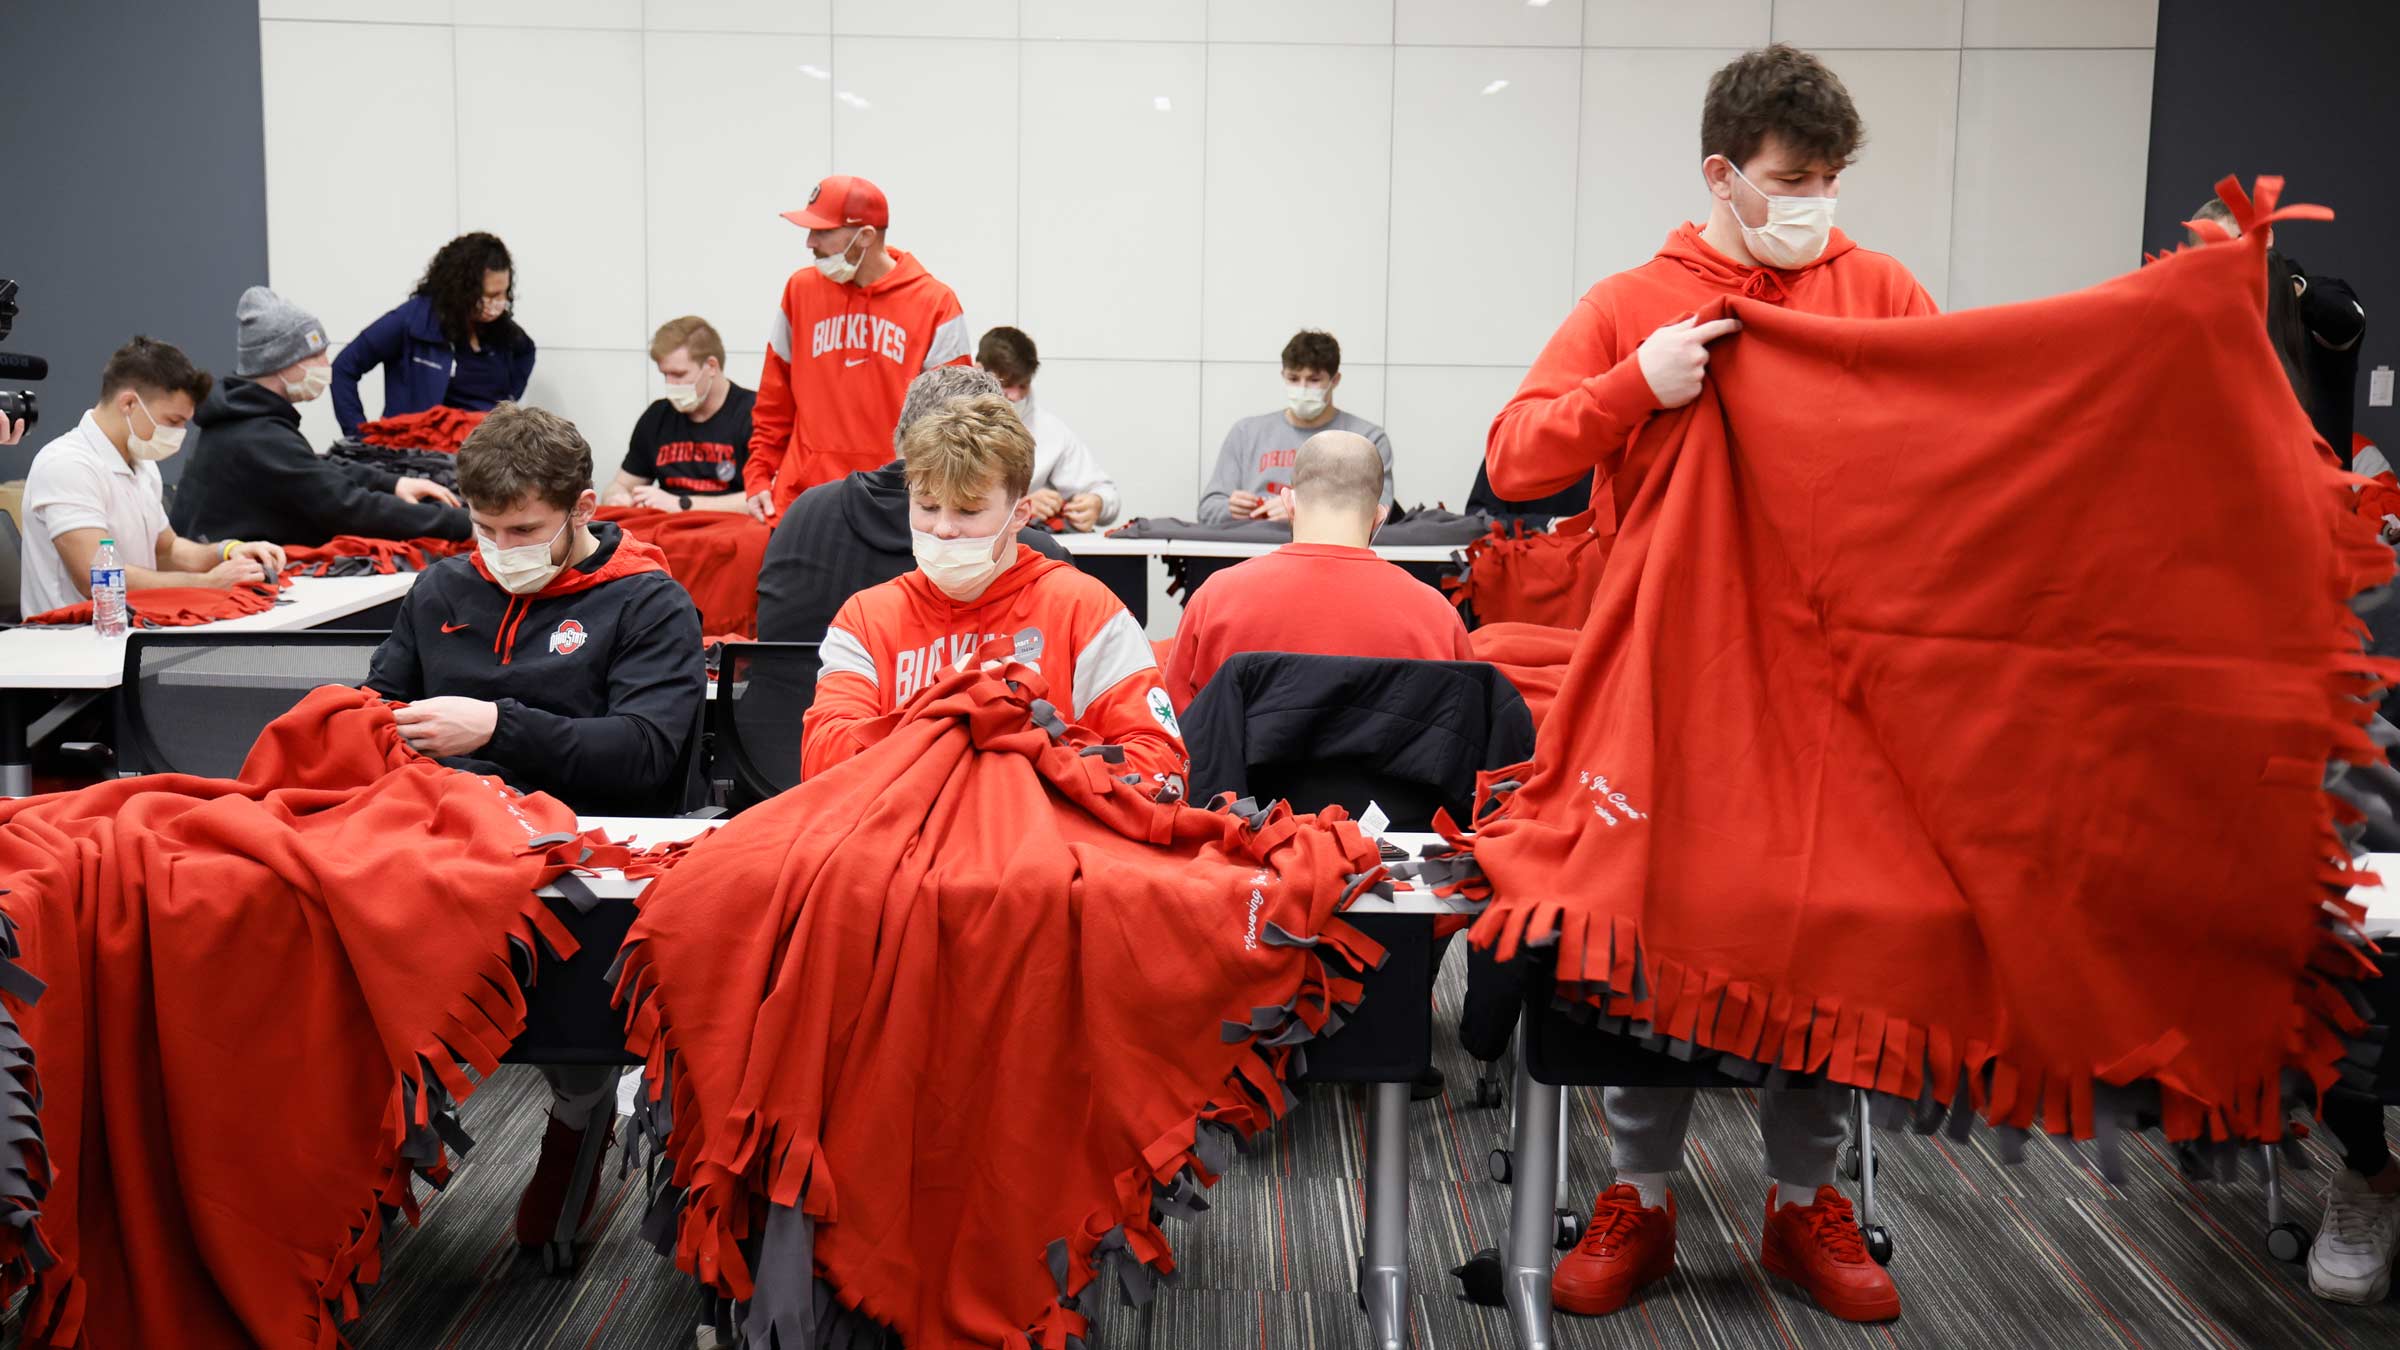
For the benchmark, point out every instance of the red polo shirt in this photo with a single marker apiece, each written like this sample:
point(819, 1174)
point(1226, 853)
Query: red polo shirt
point(1315, 599)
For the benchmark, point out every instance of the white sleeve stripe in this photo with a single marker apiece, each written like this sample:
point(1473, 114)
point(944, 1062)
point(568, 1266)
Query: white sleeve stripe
point(1115, 654)
point(2369, 462)
point(841, 653)
point(780, 336)
point(949, 343)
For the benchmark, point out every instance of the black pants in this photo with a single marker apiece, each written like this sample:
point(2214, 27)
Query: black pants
point(2355, 1120)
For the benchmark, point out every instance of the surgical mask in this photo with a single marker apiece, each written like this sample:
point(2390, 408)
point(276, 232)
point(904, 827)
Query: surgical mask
point(313, 382)
point(959, 568)
point(838, 268)
point(527, 567)
point(160, 443)
point(1307, 402)
point(685, 397)
point(1797, 228)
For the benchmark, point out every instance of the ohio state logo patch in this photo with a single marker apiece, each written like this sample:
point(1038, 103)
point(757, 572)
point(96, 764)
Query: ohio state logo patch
point(567, 638)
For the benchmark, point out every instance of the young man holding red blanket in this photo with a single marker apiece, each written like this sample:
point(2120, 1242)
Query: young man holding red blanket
point(561, 657)
point(1775, 133)
point(970, 470)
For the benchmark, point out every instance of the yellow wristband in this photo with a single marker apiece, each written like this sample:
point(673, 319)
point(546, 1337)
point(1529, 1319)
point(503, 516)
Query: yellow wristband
point(225, 554)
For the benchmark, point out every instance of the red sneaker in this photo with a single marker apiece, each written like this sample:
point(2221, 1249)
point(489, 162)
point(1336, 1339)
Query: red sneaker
point(1817, 1246)
point(1626, 1247)
point(546, 1194)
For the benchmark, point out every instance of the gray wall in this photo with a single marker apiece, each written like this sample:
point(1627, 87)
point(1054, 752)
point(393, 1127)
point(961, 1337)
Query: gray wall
point(2301, 88)
point(136, 185)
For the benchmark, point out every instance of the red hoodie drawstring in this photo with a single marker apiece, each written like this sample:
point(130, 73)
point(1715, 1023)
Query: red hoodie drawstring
point(1764, 284)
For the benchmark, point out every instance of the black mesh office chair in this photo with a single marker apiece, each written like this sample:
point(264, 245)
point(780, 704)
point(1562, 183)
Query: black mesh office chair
point(195, 702)
point(763, 690)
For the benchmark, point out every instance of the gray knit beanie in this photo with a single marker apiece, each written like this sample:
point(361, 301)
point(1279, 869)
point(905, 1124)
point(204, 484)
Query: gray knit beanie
point(272, 333)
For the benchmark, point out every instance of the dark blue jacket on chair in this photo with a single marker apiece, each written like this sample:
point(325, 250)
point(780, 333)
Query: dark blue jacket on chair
point(409, 344)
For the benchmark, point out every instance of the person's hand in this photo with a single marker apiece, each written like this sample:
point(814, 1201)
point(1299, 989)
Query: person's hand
point(1244, 505)
point(1277, 506)
point(656, 498)
point(267, 556)
point(439, 727)
point(1046, 502)
point(423, 489)
point(1082, 510)
point(11, 432)
point(233, 572)
point(761, 504)
point(1675, 358)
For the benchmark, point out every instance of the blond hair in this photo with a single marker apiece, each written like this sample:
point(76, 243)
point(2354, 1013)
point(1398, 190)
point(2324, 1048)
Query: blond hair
point(959, 451)
point(691, 333)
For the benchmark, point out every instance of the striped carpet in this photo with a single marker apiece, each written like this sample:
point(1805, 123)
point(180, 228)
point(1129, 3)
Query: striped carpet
point(2037, 1255)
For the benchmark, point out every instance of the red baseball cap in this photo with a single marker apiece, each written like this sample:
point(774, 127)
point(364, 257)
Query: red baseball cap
point(843, 200)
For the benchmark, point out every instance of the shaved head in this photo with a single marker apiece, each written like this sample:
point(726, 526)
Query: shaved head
point(1339, 470)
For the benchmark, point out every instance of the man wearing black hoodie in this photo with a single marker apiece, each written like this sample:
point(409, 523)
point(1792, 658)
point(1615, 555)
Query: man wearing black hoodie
point(254, 476)
point(839, 538)
point(560, 657)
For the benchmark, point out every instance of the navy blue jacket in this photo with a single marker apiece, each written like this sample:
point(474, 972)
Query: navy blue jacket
point(409, 344)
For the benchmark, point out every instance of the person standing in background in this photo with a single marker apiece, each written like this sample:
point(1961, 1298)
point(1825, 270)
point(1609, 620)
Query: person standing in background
point(1069, 486)
point(452, 344)
point(1253, 477)
point(850, 331)
point(688, 449)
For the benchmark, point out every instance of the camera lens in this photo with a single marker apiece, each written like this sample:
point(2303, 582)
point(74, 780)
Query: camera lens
point(20, 405)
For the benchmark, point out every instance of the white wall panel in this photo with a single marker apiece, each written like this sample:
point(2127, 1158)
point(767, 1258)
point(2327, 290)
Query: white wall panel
point(2068, 127)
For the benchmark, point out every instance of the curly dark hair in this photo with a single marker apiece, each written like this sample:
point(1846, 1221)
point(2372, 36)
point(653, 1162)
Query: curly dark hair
point(1784, 91)
point(454, 282)
point(1313, 349)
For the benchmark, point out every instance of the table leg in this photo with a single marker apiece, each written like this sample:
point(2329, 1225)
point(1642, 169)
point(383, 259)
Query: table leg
point(1525, 1278)
point(16, 756)
point(1383, 1275)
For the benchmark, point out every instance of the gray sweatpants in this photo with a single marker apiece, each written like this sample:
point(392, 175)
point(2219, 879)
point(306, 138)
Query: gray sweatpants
point(1801, 1128)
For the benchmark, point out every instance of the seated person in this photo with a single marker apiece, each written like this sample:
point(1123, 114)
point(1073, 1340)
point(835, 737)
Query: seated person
point(1068, 482)
point(687, 451)
point(100, 481)
point(970, 469)
point(1253, 476)
point(1363, 605)
point(255, 474)
point(841, 537)
point(560, 657)
point(453, 343)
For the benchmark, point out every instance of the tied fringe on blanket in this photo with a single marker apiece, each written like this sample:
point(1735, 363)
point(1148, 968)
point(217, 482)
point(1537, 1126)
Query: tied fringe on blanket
point(1946, 726)
point(1008, 1009)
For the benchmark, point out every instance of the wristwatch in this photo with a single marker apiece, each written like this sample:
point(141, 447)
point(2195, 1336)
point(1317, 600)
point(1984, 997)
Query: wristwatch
point(686, 499)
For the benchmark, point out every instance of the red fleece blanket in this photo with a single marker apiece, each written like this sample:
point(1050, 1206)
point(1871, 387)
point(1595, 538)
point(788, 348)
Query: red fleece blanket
point(176, 606)
point(714, 555)
point(943, 1025)
point(1541, 577)
point(1533, 656)
point(438, 429)
point(351, 555)
point(258, 993)
point(1940, 728)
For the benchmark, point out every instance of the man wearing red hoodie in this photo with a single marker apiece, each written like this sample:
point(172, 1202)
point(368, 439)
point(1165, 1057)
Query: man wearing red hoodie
point(559, 657)
point(970, 472)
point(850, 332)
point(1776, 131)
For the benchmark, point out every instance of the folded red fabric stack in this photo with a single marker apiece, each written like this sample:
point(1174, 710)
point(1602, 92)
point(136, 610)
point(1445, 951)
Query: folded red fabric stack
point(351, 555)
point(1537, 577)
point(714, 555)
point(258, 999)
point(948, 1024)
point(1938, 728)
point(178, 606)
point(438, 429)
point(1533, 656)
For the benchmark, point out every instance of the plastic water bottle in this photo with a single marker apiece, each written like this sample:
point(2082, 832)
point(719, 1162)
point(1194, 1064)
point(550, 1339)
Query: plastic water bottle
point(108, 592)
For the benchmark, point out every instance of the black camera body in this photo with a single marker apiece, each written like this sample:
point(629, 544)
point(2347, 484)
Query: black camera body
point(18, 405)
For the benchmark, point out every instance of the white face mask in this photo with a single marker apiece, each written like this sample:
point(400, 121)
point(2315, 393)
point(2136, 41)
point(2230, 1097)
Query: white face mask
point(527, 567)
point(160, 443)
point(313, 382)
point(1797, 228)
point(959, 568)
point(838, 268)
point(1307, 402)
point(685, 397)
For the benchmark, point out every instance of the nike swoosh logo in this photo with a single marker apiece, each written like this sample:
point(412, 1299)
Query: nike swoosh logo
point(453, 627)
point(854, 361)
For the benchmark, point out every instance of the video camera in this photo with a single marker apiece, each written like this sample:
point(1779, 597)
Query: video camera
point(17, 404)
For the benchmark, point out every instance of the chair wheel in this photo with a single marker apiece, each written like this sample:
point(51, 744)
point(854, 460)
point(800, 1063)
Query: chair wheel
point(1569, 1230)
point(1500, 1165)
point(1848, 1161)
point(1479, 1278)
point(558, 1259)
point(1879, 1243)
point(2287, 1242)
point(1487, 1091)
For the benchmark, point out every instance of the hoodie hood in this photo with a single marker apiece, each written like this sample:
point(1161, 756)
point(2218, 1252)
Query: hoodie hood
point(875, 506)
point(235, 399)
point(620, 555)
point(1687, 248)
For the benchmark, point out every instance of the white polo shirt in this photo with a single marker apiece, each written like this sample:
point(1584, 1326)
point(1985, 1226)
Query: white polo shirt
point(80, 482)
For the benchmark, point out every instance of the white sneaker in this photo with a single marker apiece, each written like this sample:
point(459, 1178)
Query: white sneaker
point(2351, 1260)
